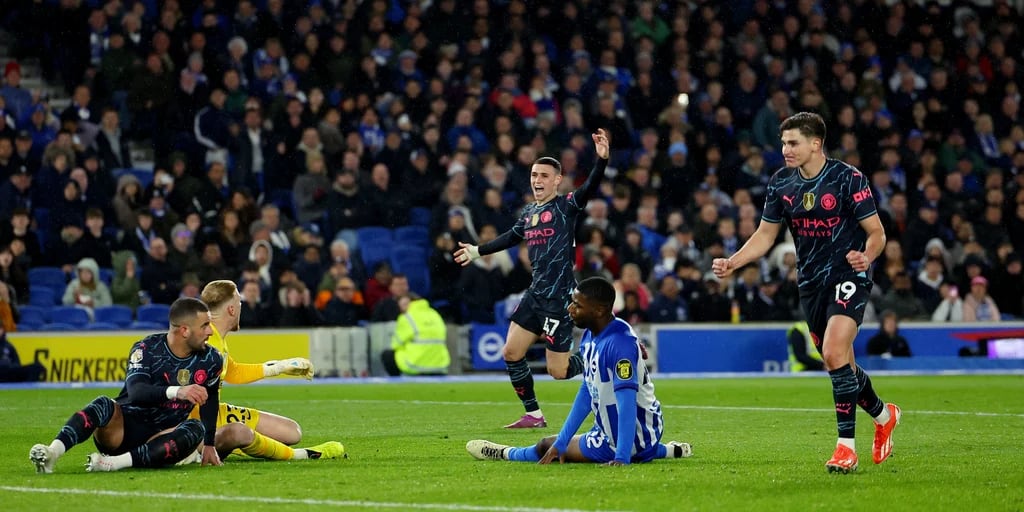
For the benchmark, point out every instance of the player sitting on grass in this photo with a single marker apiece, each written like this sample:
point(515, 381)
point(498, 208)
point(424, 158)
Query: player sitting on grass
point(147, 425)
point(255, 433)
point(615, 379)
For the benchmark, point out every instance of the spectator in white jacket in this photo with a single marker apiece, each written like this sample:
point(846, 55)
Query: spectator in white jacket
point(951, 307)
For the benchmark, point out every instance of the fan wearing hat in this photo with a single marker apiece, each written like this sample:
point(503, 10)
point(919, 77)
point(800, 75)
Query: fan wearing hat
point(978, 304)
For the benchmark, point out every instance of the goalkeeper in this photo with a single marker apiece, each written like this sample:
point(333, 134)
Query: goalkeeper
point(253, 432)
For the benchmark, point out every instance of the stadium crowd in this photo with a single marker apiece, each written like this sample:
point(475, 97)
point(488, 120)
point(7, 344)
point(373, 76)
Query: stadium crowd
point(281, 131)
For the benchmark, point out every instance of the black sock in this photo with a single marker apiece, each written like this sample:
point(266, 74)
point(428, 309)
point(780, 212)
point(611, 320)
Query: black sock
point(844, 392)
point(575, 366)
point(867, 399)
point(83, 423)
point(170, 448)
point(522, 381)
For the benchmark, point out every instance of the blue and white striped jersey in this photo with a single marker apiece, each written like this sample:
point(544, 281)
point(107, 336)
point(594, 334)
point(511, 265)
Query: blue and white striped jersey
point(612, 362)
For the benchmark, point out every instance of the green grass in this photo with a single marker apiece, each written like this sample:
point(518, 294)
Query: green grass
point(759, 444)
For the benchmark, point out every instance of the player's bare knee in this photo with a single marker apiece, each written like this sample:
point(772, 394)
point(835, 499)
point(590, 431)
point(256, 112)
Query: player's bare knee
point(558, 372)
point(233, 435)
point(545, 444)
point(292, 434)
point(511, 353)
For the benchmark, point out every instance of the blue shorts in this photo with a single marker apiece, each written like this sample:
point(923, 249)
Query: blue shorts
point(595, 446)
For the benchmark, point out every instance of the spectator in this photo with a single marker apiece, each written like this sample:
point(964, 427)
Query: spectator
point(342, 310)
point(631, 311)
point(901, 300)
point(160, 279)
point(182, 254)
point(978, 305)
point(211, 263)
point(888, 342)
point(255, 312)
point(667, 306)
point(804, 355)
point(310, 192)
point(13, 275)
point(1008, 286)
point(419, 345)
point(86, 290)
point(16, 192)
point(711, 305)
point(297, 307)
point(631, 281)
point(11, 369)
point(125, 288)
point(17, 98)
point(310, 268)
point(766, 306)
point(377, 286)
point(127, 200)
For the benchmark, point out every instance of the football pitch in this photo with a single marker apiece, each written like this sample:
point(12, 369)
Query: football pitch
point(759, 444)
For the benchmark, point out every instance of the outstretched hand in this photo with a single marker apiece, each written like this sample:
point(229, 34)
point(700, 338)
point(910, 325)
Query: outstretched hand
point(550, 455)
point(601, 143)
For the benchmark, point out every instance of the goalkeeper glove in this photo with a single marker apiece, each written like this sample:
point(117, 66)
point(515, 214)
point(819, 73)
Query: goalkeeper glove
point(294, 366)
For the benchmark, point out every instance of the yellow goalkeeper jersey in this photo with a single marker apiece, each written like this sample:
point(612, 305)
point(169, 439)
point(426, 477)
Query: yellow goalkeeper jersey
point(234, 372)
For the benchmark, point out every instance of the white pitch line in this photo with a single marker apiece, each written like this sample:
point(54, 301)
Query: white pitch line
point(663, 406)
point(263, 403)
point(282, 501)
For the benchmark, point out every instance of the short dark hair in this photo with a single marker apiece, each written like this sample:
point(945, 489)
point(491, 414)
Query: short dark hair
point(598, 289)
point(547, 160)
point(808, 124)
point(185, 309)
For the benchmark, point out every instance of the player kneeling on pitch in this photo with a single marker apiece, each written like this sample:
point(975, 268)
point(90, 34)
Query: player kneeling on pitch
point(615, 379)
point(147, 425)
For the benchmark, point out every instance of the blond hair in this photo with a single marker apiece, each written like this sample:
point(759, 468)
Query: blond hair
point(218, 293)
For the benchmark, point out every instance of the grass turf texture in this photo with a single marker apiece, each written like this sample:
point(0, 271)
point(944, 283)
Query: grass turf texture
point(759, 444)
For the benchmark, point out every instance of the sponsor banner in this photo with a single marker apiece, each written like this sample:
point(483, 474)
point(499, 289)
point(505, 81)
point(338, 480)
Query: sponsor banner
point(686, 348)
point(487, 341)
point(103, 357)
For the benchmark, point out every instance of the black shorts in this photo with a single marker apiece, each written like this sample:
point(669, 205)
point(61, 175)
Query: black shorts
point(137, 431)
point(847, 298)
point(547, 318)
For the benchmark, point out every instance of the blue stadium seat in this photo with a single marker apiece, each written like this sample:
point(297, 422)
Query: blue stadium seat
point(42, 296)
point(59, 326)
point(374, 251)
point(147, 326)
point(407, 257)
point(24, 326)
point(419, 280)
point(373, 234)
point(117, 314)
point(73, 315)
point(107, 276)
point(153, 313)
point(34, 314)
point(420, 216)
point(49, 276)
point(103, 326)
point(414, 235)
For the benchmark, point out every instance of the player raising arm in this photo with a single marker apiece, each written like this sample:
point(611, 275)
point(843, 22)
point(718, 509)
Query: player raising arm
point(548, 225)
point(255, 433)
point(147, 426)
point(616, 389)
point(828, 207)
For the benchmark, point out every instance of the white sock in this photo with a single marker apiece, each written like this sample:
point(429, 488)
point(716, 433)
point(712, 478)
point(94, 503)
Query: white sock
point(536, 414)
point(122, 461)
point(883, 418)
point(299, 454)
point(847, 442)
point(57, 448)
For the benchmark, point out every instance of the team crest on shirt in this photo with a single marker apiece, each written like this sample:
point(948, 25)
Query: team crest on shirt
point(183, 376)
point(624, 369)
point(828, 201)
point(808, 201)
point(135, 359)
point(545, 217)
